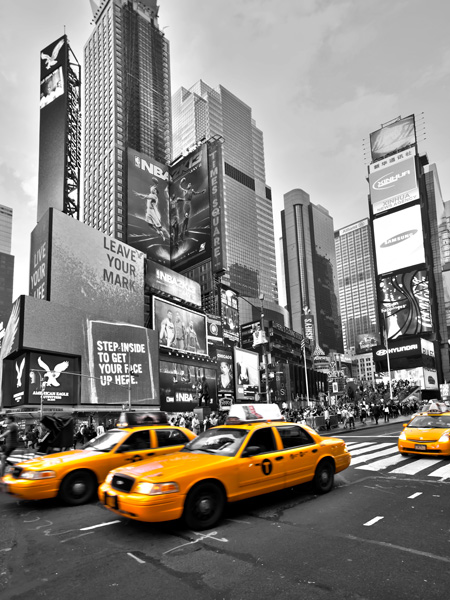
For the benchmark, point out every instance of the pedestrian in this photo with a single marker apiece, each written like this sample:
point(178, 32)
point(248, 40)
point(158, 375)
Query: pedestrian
point(326, 415)
point(386, 413)
point(351, 418)
point(11, 441)
point(195, 425)
point(100, 429)
point(344, 416)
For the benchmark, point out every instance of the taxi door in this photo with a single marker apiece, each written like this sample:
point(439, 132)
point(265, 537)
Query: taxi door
point(265, 471)
point(166, 440)
point(134, 448)
point(301, 453)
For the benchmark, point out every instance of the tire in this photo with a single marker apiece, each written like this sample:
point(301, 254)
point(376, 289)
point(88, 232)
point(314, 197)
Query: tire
point(78, 488)
point(324, 477)
point(204, 506)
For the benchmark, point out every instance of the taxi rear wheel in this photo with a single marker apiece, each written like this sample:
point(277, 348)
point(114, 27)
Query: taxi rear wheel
point(324, 477)
point(78, 488)
point(204, 506)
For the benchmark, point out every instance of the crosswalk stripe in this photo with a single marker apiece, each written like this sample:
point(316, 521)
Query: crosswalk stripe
point(384, 463)
point(414, 467)
point(353, 445)
point(371, 449)
point(367, 457)
point(443, 472)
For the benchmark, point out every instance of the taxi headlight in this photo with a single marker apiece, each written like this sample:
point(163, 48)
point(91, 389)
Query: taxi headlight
point(109, 477)
point(402, 436)
point(37, 475)
point(156, 489)
point(445, 437)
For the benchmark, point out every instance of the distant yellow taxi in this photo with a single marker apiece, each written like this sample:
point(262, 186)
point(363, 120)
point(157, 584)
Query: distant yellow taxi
point(256, 452)
point(74, 476)
point(428, 432)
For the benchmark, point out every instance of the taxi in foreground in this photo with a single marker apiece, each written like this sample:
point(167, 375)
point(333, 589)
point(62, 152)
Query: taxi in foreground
point(254, 453)
point(74, 476)
point(428, 432)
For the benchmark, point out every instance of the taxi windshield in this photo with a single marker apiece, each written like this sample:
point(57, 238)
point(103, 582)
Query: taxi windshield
point(224, 441)
point(106, 441)
point(431, 422)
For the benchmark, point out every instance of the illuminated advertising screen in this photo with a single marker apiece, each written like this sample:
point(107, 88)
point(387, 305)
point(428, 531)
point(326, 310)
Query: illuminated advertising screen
point(405, 303)
point(393, 137)
point(52, 87)
point(252, 335)
point(148, 207)
point(229, 310)
point(93, 272)
point(309, 328)
point(399, 240)
point(246, 369)
point(39, 255)
point(190, 218)
point(366, 341)
point(446, 282)
point(55, 378)
point(182, 385)
point(15, 381)
point(215, 166)
point(161, 279)
point(215, 332)
point(225, 373)
point(393, 182)
point(179, 328)
point(123, 364)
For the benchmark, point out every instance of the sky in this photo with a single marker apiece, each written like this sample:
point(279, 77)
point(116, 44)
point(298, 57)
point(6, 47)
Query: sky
point(319, 76)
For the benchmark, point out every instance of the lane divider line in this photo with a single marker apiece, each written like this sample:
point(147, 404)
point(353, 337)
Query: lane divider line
point(415, 495)
point(142, 562)
point(373, 521)
point(99, 525)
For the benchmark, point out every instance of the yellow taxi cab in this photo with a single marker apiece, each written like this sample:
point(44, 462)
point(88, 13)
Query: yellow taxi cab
point(254, 453)
point(428, 432)
point(75, 475)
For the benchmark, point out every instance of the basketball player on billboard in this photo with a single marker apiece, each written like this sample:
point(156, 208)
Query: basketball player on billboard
point(188, 195)
point(152, 214)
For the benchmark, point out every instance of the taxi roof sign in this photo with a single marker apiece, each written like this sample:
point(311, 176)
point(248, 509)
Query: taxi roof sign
point(251, 413)
point(136, 419)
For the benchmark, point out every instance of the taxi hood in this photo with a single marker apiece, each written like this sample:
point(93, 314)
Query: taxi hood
point(171, 466)
point(51, 460)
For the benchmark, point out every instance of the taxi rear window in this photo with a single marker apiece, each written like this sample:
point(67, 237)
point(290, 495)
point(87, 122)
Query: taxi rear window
point(171, 437)
point(293, 436)
point(431, 422)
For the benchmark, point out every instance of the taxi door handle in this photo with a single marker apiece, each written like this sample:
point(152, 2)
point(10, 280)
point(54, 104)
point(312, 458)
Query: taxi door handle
point(315, 450)
point(279, 458)
point(150, 454)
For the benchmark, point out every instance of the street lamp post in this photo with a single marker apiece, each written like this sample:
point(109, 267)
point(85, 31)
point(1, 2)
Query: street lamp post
point(263, 339)
point(306, 370)
point(386, 345)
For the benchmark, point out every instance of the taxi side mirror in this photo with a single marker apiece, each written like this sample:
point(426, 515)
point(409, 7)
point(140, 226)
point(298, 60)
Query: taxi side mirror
point(251, 451)
point(404, 424)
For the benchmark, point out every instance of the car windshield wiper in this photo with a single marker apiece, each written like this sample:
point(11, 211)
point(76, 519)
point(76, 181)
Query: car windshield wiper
point(207, 450)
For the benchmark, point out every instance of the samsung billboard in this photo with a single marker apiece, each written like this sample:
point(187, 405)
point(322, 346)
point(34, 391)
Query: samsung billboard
point(399, 240)
point(393, 182)
point(393, 137)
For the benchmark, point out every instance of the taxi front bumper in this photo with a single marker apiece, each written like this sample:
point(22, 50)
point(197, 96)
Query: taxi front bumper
point(425, 448)
point(151, 509)
point(27, 489)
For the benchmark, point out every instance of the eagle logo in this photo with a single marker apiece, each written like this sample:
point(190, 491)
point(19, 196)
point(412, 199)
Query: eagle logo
point(52, 375)
point(19, 371)
point(50, 61)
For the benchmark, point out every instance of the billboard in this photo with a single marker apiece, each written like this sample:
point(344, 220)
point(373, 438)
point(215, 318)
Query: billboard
point(190, 218)
point(229, 310)
point(181, 386)
point(246, 369)
point(39, 257)
point(215, 331)
point(215, 167)
point(366, 341)
point(405, 303)
point(225, 373)
point(393, 137)
point(179, 328)
point(148, 207)
point(308, 327)
point(162, 280)
point(393, 182)
point(123, 364)
point(399, 240)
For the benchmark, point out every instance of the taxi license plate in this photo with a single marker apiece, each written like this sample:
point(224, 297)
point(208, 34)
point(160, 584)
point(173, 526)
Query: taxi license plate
point(111, 501)
point(420, 447)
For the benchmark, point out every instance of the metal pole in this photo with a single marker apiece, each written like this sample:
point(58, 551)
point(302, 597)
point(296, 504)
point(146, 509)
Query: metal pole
point(306, 372)
point(387, 357)
point(129, 382)
point(265, 362)
point(42, 382)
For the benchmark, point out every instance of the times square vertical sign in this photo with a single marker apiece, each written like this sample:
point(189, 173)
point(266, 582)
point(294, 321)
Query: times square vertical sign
point(215, 168)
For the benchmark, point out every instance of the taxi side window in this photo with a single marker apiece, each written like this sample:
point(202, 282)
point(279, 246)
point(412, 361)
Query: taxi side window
point(170, 437)
point(293, 436)
point(139, 440)
point(264, 439)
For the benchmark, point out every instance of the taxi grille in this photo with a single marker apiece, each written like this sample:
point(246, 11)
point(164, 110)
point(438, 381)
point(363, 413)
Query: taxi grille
point(16, 472)
point(421, 441)
point(122, 483)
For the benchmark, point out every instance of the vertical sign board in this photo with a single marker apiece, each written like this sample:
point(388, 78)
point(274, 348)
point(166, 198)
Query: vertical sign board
point(246, 368)
point(215, 166)
point(8, 344)
point(225, 375)
point(309, 328)
point(39, 260)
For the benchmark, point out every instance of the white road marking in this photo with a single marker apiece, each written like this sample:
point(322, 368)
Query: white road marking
point(200, 539)
point(99, 525)
point(384, 463)
point(443, 472)
point(373, 521)
point(395, 547)
point(370, 449)
point(366, 457)
point(415, 495)
point(75, 537)
point(414, 467)
point(359, 444)
point(142, 562)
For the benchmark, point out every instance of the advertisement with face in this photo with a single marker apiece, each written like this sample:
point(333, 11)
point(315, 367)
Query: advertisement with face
point(225, 375)
point(399, 240)
point(392, 138)
point(190, 220)
point(123, 364)
point(179, 328)
point(148, 207)
point(246, 369)
point(182, 386)
point(405, 303)
point(393, 182)
point(229, 309)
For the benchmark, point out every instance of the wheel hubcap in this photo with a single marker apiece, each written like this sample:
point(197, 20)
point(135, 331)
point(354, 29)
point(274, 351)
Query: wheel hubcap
point(78, 488)
point(205, 506)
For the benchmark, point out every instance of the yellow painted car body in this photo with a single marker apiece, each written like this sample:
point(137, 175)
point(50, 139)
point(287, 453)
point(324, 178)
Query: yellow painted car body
point(224, 464)
point(427, 434)
point(76, 474)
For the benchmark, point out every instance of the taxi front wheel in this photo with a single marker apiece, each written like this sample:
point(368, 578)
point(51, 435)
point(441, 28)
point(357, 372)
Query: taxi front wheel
point(204, 506)
point(324, 477)
point(78, 488)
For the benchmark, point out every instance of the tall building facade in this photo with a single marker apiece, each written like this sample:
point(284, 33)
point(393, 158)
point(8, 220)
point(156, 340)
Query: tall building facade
point(310, 270)
point(202, 112)
point(357, 287)
point(6, 215)
point(6, 266)
point(127, 105)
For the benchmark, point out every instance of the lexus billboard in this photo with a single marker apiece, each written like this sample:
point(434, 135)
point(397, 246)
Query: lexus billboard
point(393, 137)
point(393, 182)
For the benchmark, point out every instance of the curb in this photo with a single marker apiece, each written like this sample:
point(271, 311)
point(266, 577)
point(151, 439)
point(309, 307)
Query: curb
point(360, 427)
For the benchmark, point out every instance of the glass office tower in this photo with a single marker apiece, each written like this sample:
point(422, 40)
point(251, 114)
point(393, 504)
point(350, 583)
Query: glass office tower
point(6, 266)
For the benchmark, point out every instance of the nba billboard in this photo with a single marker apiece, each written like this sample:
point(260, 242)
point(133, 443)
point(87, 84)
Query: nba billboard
point(181, 386)
point(148, 207)
point(396, 136)
point(179, 327)
point(164, 281)
point(399, 240)
point(393, 182)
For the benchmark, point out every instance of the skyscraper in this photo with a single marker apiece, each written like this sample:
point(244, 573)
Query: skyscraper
point(127, 105)
point(6, 215)
point(6, 266)
point(310, 270)
point(202, 112)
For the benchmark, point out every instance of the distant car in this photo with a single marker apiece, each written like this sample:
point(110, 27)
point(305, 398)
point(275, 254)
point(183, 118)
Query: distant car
point(428, 432)
point(74, 476)
point(256, 452)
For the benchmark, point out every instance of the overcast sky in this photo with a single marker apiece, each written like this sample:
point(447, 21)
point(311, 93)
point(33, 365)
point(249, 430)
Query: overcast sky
point(319, 75)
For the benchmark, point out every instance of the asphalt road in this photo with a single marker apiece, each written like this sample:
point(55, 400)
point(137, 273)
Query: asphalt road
point(382, 532)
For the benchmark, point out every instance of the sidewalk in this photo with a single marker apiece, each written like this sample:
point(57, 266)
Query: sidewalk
point(364, 427)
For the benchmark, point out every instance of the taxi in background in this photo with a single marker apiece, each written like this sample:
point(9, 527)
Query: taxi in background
point(428, 432)
point(74, 476)
point(254, 453)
